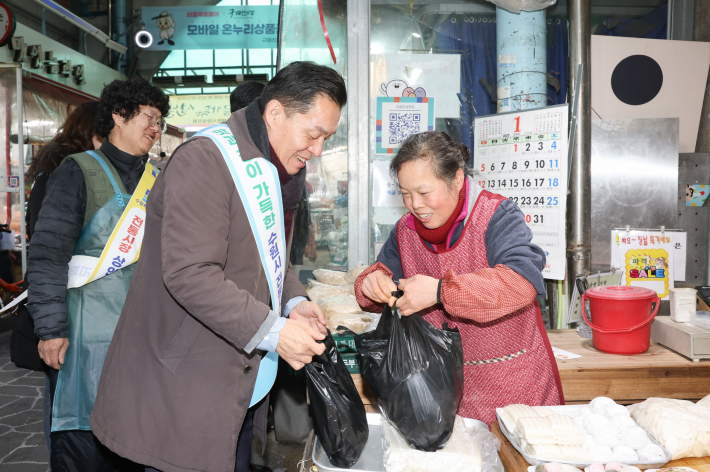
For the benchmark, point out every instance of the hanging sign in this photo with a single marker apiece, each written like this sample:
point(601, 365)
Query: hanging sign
point(400, 117)
point(646, 259)
point(211, 27)
point(678, 240)
point(186, 110)
point(523, 156)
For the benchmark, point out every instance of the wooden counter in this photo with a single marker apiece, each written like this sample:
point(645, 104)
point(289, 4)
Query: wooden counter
point(659, 372)
point(513, 461)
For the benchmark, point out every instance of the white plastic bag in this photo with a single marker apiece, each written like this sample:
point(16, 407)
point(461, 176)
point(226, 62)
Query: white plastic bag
point(350, 288)
point(488, 445)
point(321, 291)
point(331, 277)
point(516, 6)
point(704, 402)
point(355, 322)
point(353, 273)
point(342, 304)
point(680, 426)
point(462, 452)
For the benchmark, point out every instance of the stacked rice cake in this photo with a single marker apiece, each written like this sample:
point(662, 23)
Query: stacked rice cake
point(545, 435)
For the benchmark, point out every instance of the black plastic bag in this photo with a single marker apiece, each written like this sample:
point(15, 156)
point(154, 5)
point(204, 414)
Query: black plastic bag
point(339, 417)
point(24, 341)
point(416, 373)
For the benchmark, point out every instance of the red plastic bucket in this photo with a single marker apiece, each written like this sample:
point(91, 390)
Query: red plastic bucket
point(622, 317)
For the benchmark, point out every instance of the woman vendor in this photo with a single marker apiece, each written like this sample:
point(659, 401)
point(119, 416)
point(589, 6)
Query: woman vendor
point(463, 255)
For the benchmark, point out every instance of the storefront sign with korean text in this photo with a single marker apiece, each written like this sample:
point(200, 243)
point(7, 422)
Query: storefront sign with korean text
point(186, 110)
point(646, 259)
point(212, 27)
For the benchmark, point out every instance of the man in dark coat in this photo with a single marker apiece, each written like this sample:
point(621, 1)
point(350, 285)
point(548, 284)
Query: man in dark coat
point(181, 369)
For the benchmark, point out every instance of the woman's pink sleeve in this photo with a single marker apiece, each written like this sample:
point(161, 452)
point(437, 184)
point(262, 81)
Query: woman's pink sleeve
point(487, 294)
point(365, 303)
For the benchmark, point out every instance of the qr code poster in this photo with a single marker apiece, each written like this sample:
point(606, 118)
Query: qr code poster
point(400, 117)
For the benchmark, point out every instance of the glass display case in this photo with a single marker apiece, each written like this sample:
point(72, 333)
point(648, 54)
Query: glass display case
point(12, 170)
point(321, 228)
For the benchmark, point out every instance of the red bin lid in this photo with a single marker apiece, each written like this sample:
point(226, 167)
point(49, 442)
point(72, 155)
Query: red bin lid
point(620, 292)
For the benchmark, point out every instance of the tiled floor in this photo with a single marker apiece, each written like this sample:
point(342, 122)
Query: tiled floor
point(22, 445)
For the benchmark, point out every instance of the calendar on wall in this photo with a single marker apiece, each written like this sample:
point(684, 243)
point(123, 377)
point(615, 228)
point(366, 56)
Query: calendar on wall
point(523, 156)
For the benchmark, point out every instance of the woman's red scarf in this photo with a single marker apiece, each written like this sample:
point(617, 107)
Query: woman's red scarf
point(438, 236)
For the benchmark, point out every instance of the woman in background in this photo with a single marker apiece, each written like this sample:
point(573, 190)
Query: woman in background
point(77, 134)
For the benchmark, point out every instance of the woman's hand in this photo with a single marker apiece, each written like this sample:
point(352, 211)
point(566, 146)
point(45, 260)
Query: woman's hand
point(419, 293)
point(378, 287)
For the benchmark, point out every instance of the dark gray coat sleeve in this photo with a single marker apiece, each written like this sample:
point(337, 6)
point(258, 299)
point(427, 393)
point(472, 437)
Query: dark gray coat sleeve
point(508, 242)
point(389, 256)
point(58, 227)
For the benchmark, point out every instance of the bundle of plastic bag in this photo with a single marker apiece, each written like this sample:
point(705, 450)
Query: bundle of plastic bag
point(350, 288)
point(331, 277)
point(416, 373)
point(353, 273)
point(321, 291)
point(339, 417)
point(680, 426)
point(355, 322)
point(339, 305)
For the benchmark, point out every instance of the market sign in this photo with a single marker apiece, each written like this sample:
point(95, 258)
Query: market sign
point(188, 110)
point(211, 27)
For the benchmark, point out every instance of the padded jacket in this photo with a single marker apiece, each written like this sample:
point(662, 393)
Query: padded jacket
point(60, 222)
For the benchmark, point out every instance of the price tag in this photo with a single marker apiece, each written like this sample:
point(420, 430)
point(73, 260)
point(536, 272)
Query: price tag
point(523, 156)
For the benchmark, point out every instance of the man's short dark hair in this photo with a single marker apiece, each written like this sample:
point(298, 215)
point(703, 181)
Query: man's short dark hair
point(125, 98)
point(244, 94)
point(297, 85)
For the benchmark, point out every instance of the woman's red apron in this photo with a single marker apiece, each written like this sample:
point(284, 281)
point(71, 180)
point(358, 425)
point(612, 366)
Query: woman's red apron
point(506, 361)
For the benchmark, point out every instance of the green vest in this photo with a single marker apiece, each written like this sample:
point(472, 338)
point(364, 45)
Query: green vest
point(95, 308)
point(99, 189)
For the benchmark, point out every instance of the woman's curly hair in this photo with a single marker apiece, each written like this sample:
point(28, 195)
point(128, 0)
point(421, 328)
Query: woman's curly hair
point(125, 98)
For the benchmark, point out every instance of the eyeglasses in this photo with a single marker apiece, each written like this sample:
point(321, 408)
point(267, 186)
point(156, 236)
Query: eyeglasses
point(154, 120)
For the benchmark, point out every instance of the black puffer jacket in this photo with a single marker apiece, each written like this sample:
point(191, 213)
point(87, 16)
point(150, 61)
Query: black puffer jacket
point(58, 227)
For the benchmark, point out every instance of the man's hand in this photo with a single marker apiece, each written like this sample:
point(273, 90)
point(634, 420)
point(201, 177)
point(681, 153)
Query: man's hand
point(53, 351)
point(297, 343)
point(419, 293)
point(378, 288)
point(309, 311)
